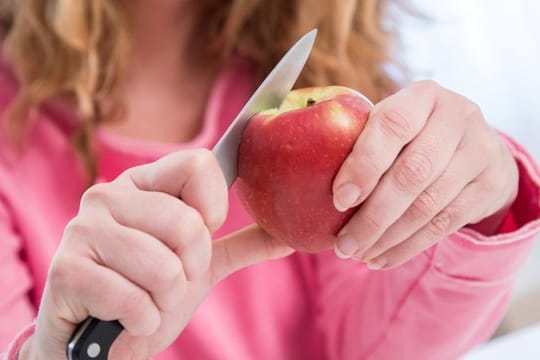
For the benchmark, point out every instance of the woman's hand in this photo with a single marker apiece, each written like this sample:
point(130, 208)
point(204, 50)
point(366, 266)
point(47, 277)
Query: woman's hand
point(426, 165)
point(140, 251)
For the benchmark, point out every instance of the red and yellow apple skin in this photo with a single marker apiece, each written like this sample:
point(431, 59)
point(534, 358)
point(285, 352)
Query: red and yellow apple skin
point(287, 161)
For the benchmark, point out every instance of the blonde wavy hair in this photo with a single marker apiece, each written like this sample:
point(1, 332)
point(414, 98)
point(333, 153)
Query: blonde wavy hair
point(76, 49)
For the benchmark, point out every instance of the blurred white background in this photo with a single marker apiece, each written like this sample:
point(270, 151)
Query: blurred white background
point(489, 51)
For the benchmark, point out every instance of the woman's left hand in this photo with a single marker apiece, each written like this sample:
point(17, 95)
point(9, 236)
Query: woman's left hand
point(426, 164)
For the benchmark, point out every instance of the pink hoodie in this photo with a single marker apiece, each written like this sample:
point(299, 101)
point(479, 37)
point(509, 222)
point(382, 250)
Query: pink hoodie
point(436, 306)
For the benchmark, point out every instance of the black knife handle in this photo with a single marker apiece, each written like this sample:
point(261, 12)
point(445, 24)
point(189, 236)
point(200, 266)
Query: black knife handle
point(93, 339)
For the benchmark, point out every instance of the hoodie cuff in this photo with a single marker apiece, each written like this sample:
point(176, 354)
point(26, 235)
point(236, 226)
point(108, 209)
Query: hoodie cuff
point(14, 347)
point(475, 258)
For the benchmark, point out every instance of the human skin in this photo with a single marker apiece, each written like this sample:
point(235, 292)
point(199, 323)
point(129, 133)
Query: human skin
point(172, 263)
point(180, 265)
point(426, 165)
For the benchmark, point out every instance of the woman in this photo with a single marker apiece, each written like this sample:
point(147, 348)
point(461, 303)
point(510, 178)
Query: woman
point(126, 94)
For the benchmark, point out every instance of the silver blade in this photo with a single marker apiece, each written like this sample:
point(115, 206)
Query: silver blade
point(269, 94)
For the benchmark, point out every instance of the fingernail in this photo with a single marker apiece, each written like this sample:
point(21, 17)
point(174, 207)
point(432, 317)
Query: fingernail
point(377, 264)
point(346, 196)
point(357, 258)
point(345, 246)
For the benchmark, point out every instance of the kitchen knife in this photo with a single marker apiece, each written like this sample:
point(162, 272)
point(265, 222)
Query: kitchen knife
point(269, 94)
point(93, 339)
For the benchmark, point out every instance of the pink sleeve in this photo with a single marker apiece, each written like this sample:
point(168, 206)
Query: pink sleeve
point(438, 305)
point(16, 310)
point(15, 346)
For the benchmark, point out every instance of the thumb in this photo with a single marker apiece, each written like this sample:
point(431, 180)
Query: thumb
point(243, 248)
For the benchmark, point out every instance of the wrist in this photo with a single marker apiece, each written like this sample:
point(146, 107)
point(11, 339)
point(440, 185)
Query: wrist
point(25, 351)
point(491, 225)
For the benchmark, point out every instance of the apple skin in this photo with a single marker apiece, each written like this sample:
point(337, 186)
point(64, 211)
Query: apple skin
point(287, 161)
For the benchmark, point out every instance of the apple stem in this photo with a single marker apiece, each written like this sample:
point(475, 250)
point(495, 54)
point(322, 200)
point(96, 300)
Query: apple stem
point(310, 102)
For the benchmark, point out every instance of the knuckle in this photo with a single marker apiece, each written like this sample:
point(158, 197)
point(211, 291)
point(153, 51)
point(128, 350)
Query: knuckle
point(175, 216)
point(191, 228)
point(201, 159)
point(150, 173)
point(372, 223)
point(367, 162)
point(95, 194)
point(491, 147)
point(424, 206)
point(412, 172)
point(64, 286)
point(135, 302)
point(441, 224)
point(216, 218)
point(63, 277)
point(193, 220)
point(428, 85)
point(471, 110)
point(394, 123)
point(61, 272)
point(77, 229)
point(472, 115)
point(168, 276)
point(171, 214)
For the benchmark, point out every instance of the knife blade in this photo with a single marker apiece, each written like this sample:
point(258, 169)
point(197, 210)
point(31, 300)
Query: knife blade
point(269, 94)
point(93, 338)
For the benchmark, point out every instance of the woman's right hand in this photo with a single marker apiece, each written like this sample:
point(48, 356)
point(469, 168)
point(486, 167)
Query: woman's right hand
point(140, 251)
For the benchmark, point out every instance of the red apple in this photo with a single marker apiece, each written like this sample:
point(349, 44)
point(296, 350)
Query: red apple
point(287, 161)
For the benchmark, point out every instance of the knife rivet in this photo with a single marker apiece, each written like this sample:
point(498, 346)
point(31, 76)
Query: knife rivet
point(93, 350)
